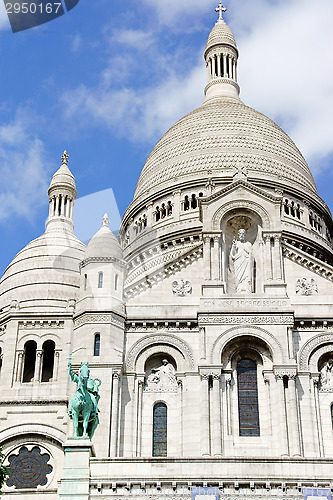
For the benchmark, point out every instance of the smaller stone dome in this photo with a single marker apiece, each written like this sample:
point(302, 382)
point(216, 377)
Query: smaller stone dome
point(221, 34)
point(63, 178)
point(104, 243)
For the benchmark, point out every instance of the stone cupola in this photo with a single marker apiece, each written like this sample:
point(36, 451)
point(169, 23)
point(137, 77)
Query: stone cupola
point(62, 194)
point(221, 57)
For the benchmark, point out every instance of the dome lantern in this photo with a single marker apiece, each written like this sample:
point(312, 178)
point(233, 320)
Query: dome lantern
point(221, 56)
point(62, 194)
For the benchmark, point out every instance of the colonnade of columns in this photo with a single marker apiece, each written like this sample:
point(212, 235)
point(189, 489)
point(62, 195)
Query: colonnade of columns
point(222, 66)
point(20, 358)
point(61, 205)
point(216, 412)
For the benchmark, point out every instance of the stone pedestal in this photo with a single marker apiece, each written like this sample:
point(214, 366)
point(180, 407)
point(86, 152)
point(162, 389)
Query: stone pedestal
point(75, 478)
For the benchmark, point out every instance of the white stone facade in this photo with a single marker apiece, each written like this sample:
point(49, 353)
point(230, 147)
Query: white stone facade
point(161, 318)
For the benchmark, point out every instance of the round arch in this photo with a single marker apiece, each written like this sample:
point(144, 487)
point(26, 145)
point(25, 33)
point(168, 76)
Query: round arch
point(272, 343)
point(149, 345)
point(251, 206)
point(323, 341)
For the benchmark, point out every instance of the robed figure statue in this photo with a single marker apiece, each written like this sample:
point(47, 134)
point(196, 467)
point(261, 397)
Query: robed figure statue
point(241, 263)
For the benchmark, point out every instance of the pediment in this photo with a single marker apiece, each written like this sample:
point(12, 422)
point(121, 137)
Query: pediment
point(241, 185)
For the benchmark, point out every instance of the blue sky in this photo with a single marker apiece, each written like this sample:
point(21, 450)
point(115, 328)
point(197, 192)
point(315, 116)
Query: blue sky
point(107, 79)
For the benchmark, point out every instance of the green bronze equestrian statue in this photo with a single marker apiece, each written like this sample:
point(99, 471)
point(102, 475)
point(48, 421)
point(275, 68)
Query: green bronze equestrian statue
point(83, 409)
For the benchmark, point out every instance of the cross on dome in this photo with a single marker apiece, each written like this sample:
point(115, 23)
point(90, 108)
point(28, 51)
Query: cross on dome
point(105, 221)
point(65, 158)
point(220, 9)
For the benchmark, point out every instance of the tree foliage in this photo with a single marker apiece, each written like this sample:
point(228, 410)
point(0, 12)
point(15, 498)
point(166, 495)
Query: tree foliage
point(4, 470)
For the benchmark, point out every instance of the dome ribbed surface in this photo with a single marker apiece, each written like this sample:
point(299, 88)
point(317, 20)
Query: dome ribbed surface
point(220, 34)
point(63, 178)
point(45, 274)
point(104, 244)
point(216, 138)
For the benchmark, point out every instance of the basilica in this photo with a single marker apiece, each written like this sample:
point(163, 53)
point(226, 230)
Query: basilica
point(207, 324)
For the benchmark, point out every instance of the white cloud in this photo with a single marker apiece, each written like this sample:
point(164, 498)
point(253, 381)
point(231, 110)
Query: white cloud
point(23, 173)
point(285, 71)
point(180, 12)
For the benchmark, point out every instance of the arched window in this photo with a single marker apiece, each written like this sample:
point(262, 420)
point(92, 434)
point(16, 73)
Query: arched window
point(1, 358)
point(194, 202)
point(248, 409)
point(116, 278)
point(186, 203)
point(332, 414)
point(48, 361)
point(160, 430)
point(97, 344)
point(169, 208)
point(85, 281)
point(30, 349)
point(157, 213)
point(100, 280)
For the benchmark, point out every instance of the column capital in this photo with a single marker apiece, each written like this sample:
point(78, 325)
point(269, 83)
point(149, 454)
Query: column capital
point(285, 371)
point(116, 373)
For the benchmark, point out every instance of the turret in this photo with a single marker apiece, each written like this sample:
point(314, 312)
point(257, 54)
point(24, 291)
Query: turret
point(221, 56)
point(62, 194)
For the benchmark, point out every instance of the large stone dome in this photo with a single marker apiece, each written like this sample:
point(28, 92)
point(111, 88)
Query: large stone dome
point(218, 137)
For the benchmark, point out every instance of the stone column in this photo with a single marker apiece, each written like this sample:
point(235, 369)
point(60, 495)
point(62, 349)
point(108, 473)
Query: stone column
point(139, 418)
point(318, 416)
point(62, 206)
point(276, 260)
point(310, 443)
point(224, 65)
point(295, 445)
point(226, 391)
point(181, 416)
point(206, 257)
point(216, 417)
point(205, 451)
point(268, 257)
point(149, 208)
point(72, 208)
point(283, 434)
point(219, 65)
point(216, 259)
point(38, 367)
point(208, 70)
point(114, 413)
point(177, 204)
point(20, 356)
point(230, 67)
point(57, 205)
point(56, 365)
point(213, 66)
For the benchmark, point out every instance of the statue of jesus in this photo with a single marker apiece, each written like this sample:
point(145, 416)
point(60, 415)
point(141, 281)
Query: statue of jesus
point(241, 263)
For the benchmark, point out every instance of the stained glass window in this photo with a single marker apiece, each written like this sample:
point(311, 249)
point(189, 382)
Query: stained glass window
point(248, 408)
point(97, 344)
point(28, 469)
point(160, 430)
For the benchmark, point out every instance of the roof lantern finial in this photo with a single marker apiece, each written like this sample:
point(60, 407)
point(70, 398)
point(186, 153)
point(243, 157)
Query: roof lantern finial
point(105, 221)
point(65, 158)
point(220, 9)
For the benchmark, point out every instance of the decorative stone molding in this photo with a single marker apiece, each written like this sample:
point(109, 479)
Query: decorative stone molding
point(213, 82)
point(285, 371)
point(221, 342)
point(315, 357)
point(40, 324)
point(181, 288)
point(307, 261)
point(232, 319)
point(160, 274)
point(172, 340)
point(170, 326)
point(98, 318)
point(102, 260)
point(310, 346)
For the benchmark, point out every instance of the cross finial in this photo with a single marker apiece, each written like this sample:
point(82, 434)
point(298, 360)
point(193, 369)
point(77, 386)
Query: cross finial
point(105, 221)
point(64, 158)
point(220, 9)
